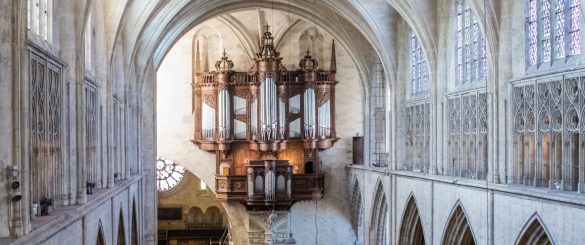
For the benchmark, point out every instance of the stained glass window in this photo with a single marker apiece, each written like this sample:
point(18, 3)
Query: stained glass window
point(574, 33)
point(532, 32)
point(470, 54)
point(419, 78)
point(168, 174)
point(552, 30)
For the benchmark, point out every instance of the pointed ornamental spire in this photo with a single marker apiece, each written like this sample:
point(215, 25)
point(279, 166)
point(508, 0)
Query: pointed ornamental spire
point(333, 64)
point(224, 64)
point(267, 45)
point(308, 62)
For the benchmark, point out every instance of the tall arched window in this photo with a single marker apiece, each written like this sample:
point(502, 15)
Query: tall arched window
point(467, 109)
point(471, 54)
point(552, 30)
point(419, 75)
point(417, 112)
point(40, 18)
point(89, 42)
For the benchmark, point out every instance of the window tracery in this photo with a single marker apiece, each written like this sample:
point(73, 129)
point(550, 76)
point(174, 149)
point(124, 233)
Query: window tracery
point(547, 132)
point(94, 169)
point(117, 144)
point(467, 135)
point(552, 30)
point(471, 56)
point(168, 174)
point(46, 155)
point(417, 136)
point(378, 150)
point(419, 76)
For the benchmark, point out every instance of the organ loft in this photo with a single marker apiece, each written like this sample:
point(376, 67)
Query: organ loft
point(266, 126)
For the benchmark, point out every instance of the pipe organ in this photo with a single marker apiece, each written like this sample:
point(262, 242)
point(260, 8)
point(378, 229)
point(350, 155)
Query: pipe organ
point(266, 126)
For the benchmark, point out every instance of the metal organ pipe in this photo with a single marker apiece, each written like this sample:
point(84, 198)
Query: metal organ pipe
point(224, 114)
point(309, 104)
point(268, 122)
point(208, 121)
point(325, 119)
point(254, 116)
point(282, 118)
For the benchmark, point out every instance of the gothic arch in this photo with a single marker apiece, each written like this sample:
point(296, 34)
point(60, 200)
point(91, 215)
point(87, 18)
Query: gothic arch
point(184, 19)
point(195, 217)
point(121, 229)
point(213, 217)
point(411, 229)
point(457, 230)
point(356, 205)
point(134, 234)
point(534, 232)
point(311, 39)
point(101, 239)
point(378, 226)
point(210, 43)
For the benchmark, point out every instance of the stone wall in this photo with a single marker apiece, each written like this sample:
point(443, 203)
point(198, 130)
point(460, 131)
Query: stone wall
point(81, 224)
point(497, 214)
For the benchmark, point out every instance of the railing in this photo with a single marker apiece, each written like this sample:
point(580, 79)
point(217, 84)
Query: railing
point(242, 78)
point(208, 78)
point(466, 173)
point(322, 76)
point(292, 77)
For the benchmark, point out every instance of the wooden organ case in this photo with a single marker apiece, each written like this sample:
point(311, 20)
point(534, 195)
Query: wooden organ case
point(266, 127)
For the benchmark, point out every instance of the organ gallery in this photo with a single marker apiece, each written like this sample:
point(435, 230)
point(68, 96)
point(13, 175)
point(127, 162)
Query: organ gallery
point(266, 126)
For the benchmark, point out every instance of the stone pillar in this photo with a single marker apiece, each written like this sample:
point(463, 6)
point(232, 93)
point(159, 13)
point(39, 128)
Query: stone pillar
point(147, 138)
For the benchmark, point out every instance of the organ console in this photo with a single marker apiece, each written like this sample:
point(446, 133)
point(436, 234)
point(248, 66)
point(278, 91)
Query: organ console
point(266, 126)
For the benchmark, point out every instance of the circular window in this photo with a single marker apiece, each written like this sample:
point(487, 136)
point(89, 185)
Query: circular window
point(168, 174)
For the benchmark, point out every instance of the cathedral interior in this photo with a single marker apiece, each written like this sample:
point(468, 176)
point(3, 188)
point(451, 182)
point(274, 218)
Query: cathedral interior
point(326, 122)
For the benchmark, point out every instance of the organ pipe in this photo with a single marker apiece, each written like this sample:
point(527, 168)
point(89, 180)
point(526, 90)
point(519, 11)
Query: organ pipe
point(324, 120)
point(281, 118)
point(309, 105)
point(254, 116)
point(268, 123)
point(224, 114)
point(207, 121)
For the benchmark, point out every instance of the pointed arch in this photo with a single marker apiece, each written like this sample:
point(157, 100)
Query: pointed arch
point(121, 229)
point(356, 205)
point(378, 226)
point(134, 232)
point(195, 218)
point(101, 239)
point(411, 229)
point(458, 231)
point(534, 233)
